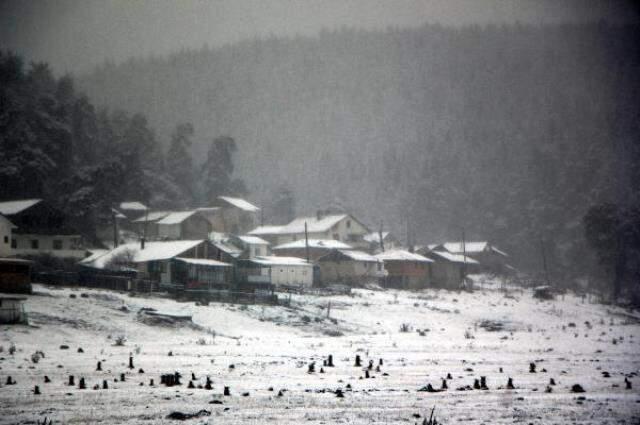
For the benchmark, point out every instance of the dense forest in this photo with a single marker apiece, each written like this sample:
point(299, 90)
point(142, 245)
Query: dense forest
point(55, 144)
point(509, 132)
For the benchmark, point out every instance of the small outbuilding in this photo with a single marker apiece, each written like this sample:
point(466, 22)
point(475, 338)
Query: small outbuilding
point(405, 270)
point(15, 276)
point(12, 309)
point(449, 270)
point(278, 271)
point(343, 266)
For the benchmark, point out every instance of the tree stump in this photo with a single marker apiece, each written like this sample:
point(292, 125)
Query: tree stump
point(330, 361)
point(36, 390)
point(82, 385)
point(321, 370)
point(130, 362)
point(227, 392)
point(370, 364)
point(99, 366)
point(476, 384)
point(122, 377)
point(140, 370)
point(105, 386)
point(510, 384)
point(532, 368)
point(449, 376)
point(358, 361)
point(483, 383)
point(444, 385)
point(46, 379)
point(193, 377)
point(311, 368)
point(191, 385)
point(366, 374)
point(380, 362)
point(552, 381)
point(72, 381)
point(627, 383)
point(151, 383)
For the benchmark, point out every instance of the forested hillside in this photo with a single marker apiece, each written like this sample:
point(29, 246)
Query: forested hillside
point(509, 132)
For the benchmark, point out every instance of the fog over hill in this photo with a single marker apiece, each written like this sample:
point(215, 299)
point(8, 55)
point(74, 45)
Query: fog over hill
point(510, 132)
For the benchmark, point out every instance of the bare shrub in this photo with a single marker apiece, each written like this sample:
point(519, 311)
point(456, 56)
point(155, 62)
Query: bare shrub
point(405, 327)
point(120, 341)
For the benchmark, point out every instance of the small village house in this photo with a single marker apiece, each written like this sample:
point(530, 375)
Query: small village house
point(490, 258)
point(350, 267)
point(389, 242)
point(449, 270)
point(315, 247)
point(15, 276)
point(171, 263)
point(405, 270)
point(282, 272)
point(341, 227)
point(132, 209)
point(41, 229)
point(12, 309)
point(172, 225)
point(232, 215)
point(252, 246)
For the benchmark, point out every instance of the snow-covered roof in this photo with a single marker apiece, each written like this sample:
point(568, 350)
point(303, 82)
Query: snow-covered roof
point(454, 258)
point(374, 237)
point(227, 247)
point(402, 255)
point(133, 206)
point(471, 247)
point(252, 240)
point(152, 216)
point(359, 255)
point(314, 243)
point(240, 203)
point(280, 261)
point(203, 262)
point(153, 251)
point(176, 217)
point(15, 207)
point(266, 230)
point(117, 213)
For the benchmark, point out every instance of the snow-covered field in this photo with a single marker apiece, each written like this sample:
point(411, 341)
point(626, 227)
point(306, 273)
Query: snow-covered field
point(270, 348)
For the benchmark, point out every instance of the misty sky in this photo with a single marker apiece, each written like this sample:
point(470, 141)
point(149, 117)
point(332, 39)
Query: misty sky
point(74, 35)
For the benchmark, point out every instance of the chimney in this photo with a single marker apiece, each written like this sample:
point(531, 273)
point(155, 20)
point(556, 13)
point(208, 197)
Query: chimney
point(142, 242)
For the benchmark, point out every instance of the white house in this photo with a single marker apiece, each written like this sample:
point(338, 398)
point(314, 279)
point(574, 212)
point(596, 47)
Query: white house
point(340, 227)
point(40, 229)
point(279, 271)
point(6, 231)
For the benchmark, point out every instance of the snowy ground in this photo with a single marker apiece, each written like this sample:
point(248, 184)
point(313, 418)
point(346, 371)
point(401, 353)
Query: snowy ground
point(271, 347)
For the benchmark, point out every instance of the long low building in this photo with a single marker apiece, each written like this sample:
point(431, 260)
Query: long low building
point(315, 247)
point(278, 271)
point(405, 270)
point(350, 267)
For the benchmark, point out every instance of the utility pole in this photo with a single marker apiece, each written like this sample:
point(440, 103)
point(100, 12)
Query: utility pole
point(381, 237)
point(306, 241)
point(464, 258)
point(544, 262)
point(115, 228)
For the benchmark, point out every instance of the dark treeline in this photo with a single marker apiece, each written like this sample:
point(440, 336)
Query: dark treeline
point(56, 145)
point(510, 132)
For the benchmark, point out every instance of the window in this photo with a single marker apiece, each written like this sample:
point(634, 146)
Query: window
point(14, 243)
point(6, 239)
point(57, 244)
point(35, 244)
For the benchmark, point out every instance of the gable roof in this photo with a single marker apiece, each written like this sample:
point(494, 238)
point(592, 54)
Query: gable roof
point(267, 230)
point(280, 261)
point(15, 207)
point(152, 216)
point(454, 258)
point(240, 203)
point(314, 243)
point(471, 247)
point(252, 240)
point(133, 206)
point(402, 255)
point(374, 237)
point(358, 255)
point(153, 251)
point(176, 217)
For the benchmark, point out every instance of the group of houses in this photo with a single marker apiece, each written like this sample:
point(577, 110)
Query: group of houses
point(222, 248)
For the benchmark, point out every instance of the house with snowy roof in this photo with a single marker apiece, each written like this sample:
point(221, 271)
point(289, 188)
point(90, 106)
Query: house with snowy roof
point(350, 267)
point(132, 209)
point(490, 258)
point(173, 225)
point(449, 270)
point(283, 272)
point(39, 228)
point(340, 227)
point(405, 270)
point(377, 243)
point(183, 265)
point(315, 248)
point(231, 215)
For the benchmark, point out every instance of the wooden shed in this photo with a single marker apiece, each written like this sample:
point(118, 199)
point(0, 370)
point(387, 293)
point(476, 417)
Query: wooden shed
point(15, 276)
point(350, 267)
point(405, 270)
point(12, 309)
